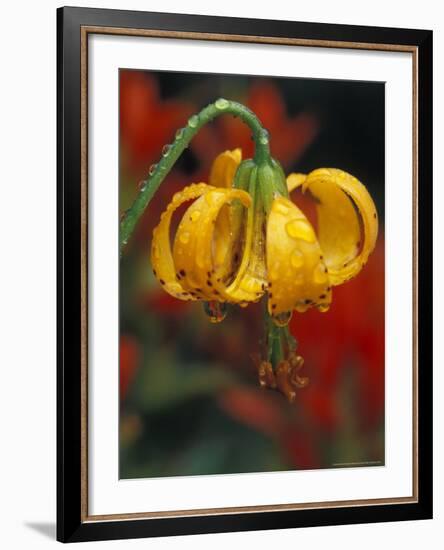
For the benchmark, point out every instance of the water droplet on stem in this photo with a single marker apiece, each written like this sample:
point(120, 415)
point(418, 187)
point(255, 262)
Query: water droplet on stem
point(221, 103)
point(193, 121)
point(264, 138)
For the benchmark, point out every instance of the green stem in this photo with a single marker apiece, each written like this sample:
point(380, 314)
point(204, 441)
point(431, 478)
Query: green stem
point(272, 340)
point(172, 152)
point(279, 341)
point(276, 353)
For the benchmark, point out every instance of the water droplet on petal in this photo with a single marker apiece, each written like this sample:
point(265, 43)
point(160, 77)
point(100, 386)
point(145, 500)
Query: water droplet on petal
point(320, 276)
point(184, 237)
point(323, 307)
point(281, 208)
point(193, 121)
point(300, 229)
point(166, 150)
point(297, 259)
point(152, 169)
point(282, 319)
point(156, 252)
point(221, 103)
point(195, 215)
point(200, 261)
point(216, 311)
point(300, 307)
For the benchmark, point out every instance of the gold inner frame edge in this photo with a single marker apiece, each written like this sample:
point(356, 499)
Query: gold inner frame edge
point(153, 33)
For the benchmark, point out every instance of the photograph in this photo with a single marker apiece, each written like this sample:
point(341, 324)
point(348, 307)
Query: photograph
point(244, 274)
point(252, 273)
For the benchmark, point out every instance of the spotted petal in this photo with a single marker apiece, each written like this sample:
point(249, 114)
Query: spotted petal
point(161, 255)
point(347, 221)
point(250, 280)
point(298, 276)
point(198, 254)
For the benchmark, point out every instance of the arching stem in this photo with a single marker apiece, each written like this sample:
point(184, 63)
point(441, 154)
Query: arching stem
point(172, 152)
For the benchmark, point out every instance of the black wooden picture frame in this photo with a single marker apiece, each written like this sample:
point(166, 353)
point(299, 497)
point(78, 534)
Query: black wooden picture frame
point(73, 24)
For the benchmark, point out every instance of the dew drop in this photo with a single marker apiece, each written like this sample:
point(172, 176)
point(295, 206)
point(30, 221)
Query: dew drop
point(323, 308)
point(301, 307)
point(282, 319)
point(166, 150)
point(179, 133)
point(200, 261)
point(264, 138)
point(221, 103)
point(184, 237)
point(216, 311)
point(300, 229)
point(195, 215)
point(281, 208)
point(193, 121)
point(152, 169)
point(142, 185)
point(297, 259)
point(156, 252)
point(319, 275)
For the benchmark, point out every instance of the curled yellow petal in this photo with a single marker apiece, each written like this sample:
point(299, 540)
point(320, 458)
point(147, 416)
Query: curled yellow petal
point(250, 280)
point(347, 221)
point(224, 167)
point(222, 174)
point(161, 255)
point(297, 274)
point(197, 256)
point(294, 181)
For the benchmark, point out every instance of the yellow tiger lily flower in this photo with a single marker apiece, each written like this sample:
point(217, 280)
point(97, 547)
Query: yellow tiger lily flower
point(242, 237)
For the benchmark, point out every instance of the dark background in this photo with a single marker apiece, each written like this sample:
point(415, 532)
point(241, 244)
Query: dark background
point(351, 113)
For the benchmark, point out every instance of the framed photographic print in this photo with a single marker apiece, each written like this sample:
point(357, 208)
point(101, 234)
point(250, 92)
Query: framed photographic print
point(244, 284)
